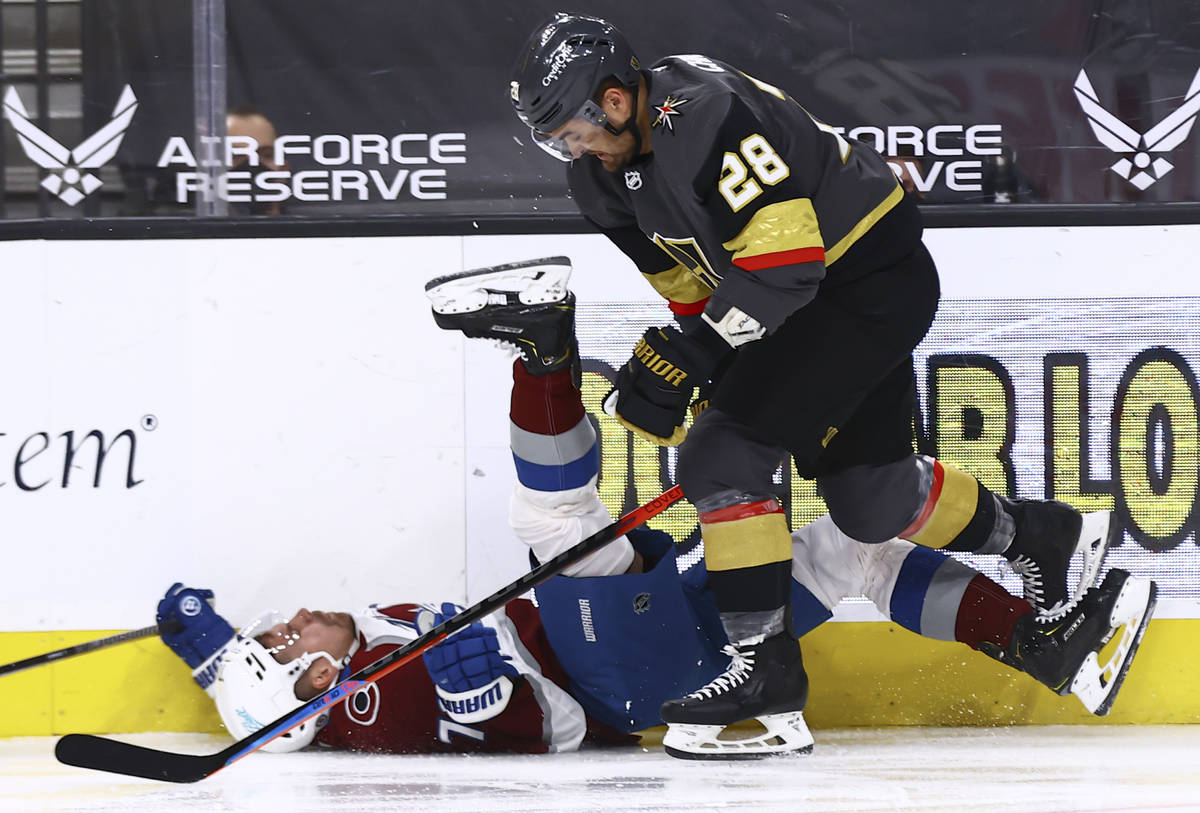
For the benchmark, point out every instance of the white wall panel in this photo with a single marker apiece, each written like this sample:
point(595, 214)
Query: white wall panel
point(308, 426)
point(305, 434)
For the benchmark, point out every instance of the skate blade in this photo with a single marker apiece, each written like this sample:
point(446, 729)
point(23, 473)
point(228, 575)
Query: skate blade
point(1095, 684)
point(783, 734)
point(534, 281)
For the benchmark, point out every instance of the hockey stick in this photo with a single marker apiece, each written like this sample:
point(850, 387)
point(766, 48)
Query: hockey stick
point(114, 756)
point(90, 646)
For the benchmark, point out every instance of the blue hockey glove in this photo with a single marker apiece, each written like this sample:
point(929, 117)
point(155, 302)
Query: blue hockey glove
point(204, 634)
point(473, 676)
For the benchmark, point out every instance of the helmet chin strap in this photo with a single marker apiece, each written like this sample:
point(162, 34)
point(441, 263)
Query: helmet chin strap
point(630, 122)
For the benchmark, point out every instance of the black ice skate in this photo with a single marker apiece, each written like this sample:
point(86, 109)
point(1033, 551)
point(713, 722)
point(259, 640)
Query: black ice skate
point(1065, 654)
point(764, 681)
point(524, 305)
point(1048, 535)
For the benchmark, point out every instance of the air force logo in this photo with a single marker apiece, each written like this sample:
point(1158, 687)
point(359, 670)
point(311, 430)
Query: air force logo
point(68, 178)
point(1119, 137)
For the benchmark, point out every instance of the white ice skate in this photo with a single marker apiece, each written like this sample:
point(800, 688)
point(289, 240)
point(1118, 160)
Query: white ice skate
point(782, 734)
point(764, 682)
point(533, 282)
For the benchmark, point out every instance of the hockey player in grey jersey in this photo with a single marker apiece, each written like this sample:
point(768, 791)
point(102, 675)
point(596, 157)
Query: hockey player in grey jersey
point(794, 265)
point(539, 679)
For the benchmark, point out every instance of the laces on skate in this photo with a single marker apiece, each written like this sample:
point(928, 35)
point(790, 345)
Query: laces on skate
point(1043, 566)
point(752, 709)
point(740, 666)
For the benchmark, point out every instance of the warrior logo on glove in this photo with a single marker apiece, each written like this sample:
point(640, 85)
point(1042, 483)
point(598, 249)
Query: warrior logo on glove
point(653, 389)
point(657, 364)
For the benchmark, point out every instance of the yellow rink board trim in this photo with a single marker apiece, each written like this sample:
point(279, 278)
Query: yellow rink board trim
point(136, 686)
point(860, 674)
point(878, 673)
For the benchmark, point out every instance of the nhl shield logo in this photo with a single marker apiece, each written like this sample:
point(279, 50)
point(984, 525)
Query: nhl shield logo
point(641, 603)
point(633, 179)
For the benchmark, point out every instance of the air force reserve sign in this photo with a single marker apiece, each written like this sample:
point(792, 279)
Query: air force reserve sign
point(68, 176)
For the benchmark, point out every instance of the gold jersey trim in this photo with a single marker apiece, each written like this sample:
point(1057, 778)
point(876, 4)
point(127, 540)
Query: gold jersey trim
point(679, 284)
point(785, 226)
point(832, 255)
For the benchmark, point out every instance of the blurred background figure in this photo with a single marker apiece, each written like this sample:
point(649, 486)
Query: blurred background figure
point(247, 121)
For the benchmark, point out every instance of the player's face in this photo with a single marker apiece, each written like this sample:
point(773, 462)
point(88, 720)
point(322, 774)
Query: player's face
point(582, 137)
point(258, 128)
point(310, 631)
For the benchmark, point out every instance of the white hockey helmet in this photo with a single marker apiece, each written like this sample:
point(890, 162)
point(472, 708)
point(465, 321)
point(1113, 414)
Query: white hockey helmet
point(253, 689)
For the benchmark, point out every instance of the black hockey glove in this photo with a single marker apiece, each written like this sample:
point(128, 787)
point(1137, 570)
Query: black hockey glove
point(653, 388)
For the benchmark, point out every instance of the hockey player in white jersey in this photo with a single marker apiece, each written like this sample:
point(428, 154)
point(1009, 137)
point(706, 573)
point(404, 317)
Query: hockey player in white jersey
point(626, 629)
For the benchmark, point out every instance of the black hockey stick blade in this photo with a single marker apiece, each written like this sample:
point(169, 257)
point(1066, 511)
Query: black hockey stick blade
point(114, 756)
point(90, 646)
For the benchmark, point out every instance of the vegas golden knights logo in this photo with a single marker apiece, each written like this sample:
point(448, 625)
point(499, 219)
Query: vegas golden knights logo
point(687, 252)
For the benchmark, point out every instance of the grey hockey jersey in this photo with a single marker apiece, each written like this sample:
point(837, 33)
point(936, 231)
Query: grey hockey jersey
point(744, 194)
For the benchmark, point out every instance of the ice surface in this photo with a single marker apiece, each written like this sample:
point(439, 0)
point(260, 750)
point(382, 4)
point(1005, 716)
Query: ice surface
point(1054, 768)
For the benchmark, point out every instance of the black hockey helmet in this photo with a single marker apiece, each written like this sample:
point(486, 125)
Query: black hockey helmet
point(560, 67)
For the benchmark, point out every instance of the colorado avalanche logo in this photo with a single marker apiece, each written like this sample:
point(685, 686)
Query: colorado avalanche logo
point(362, 707)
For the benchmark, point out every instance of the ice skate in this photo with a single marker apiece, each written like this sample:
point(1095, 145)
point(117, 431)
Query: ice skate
point(765, 681)
point(1048, 535)
point(1065, 654)
point(525, 305)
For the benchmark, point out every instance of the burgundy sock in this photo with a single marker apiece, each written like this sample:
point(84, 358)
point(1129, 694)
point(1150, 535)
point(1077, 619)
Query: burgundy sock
point(987, 612)
point(545, 404)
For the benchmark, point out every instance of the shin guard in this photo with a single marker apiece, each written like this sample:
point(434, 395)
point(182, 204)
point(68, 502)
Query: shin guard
point(748, 553)
point(957, 513)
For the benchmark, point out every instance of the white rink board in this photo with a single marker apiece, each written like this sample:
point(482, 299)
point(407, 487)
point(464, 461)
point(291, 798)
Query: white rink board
point(309, 419)
point(316, 439)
